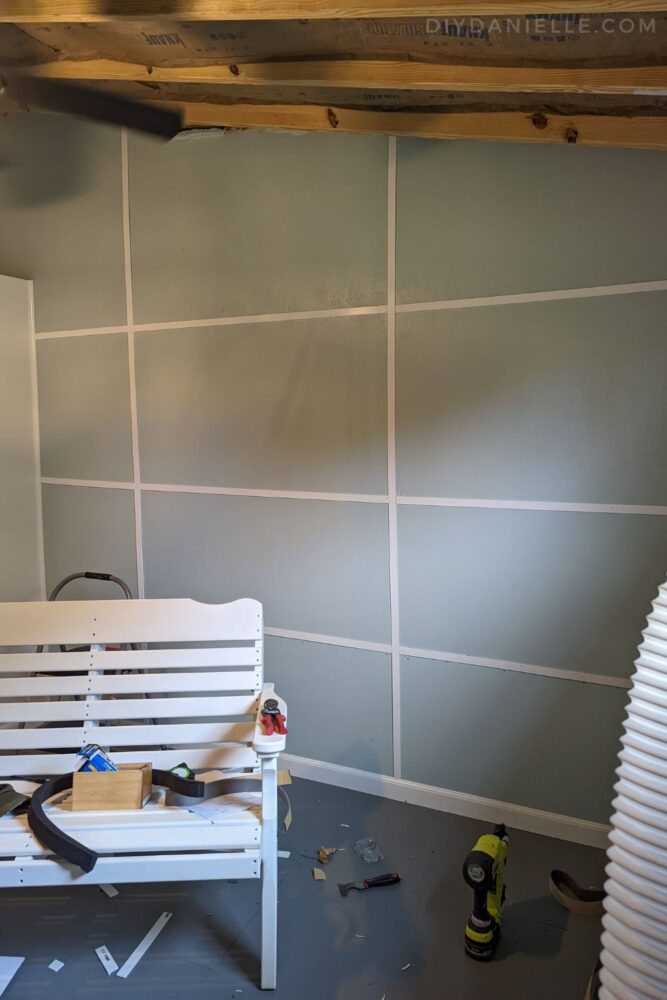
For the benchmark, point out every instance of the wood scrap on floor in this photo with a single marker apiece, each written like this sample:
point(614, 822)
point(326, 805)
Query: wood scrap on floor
point(319, 875)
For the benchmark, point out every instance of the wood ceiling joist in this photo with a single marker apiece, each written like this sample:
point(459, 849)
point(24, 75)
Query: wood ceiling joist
point(81, 11)
point(360, 74)
point(646, 132)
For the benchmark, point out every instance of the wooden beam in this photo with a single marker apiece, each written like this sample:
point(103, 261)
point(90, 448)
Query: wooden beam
point(366, 74)
point(645, 132)
point(78, 11)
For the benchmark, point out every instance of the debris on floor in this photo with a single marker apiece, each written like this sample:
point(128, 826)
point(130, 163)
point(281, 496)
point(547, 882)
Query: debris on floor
point(109, 890)
point(391, 878)
point(9, 966)
point(368, 850)
point(56, 965)
point(106, 958)
point(345, 826)
point(404, 967)
point(325, 853)
point(319, 875)
point(144, 945)
point(284, 854)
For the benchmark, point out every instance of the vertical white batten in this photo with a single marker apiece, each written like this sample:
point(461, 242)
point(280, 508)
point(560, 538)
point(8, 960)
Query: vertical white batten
point(41, 564)
point(391, 460)
point(136, 469)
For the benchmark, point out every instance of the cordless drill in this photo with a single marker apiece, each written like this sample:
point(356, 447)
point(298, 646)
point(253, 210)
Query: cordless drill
point(484, 872)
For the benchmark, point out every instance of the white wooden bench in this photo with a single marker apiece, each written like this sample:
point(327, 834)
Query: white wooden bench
point(164, 702)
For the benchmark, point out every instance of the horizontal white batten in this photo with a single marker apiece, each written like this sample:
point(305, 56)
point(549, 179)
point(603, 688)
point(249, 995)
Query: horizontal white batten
point(261, 318)
point(596, 291)
point(100, 484)
point(555, 505)
point(406, 501)
point(328, 640)
point(520, 668)
point(86, 684)
point(549, 824)
point(517, 298)
point(85, 332)
point(206, 758)
point(151, 868)
point(234, 491)
point(116, 736)
point(116, 708)
point(434, 654)
point(132, 659)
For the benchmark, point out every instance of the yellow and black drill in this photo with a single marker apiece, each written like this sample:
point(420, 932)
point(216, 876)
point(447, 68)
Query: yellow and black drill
point(484, 871)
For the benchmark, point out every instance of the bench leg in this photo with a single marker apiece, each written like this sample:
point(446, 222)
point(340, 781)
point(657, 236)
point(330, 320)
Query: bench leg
point(269, 871)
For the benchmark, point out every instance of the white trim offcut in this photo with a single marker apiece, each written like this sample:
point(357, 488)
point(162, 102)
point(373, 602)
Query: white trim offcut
point(548, 824)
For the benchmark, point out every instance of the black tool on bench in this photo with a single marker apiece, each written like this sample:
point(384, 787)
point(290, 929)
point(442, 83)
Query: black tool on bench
point(391, 878)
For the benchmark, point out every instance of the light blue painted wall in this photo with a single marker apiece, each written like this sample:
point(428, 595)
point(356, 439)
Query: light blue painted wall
point(553, 401)
point(20, 532)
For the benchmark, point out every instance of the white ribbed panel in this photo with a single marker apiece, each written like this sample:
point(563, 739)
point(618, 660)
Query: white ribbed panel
point(634, 942)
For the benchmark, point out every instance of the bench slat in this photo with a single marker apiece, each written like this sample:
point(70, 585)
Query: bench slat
point(117, 622)
point(150, 735)
point(155, 838)
point(150, 868)
point(110, 709)
point(206, 758)
point(131, 659)
point(86, 684)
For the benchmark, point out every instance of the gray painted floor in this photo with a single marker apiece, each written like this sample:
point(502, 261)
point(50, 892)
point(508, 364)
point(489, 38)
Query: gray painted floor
point(330, 948)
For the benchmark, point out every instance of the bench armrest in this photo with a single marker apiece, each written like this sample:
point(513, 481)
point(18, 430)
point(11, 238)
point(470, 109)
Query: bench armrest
point(261, 742)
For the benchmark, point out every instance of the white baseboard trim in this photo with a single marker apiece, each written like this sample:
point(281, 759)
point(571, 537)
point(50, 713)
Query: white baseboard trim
point(579, 831)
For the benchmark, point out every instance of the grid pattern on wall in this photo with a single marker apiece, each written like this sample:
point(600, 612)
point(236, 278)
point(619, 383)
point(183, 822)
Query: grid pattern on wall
point(399, 629)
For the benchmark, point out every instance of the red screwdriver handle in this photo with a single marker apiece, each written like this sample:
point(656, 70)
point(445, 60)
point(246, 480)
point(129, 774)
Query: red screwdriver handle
point(389, 879)
point(269, 724)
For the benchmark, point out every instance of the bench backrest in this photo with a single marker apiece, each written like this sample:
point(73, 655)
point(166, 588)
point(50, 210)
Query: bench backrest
point(166, 701)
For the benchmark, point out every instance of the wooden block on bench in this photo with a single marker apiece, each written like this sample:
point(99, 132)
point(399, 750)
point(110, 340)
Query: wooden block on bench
point(126, 788)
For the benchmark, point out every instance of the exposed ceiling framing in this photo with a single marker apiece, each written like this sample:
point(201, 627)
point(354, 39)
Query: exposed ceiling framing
point(498, 69)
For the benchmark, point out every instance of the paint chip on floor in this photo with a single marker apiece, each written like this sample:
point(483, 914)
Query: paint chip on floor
point(56, 965)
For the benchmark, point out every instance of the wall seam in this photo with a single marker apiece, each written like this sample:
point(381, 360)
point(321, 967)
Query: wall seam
point(129, 304)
